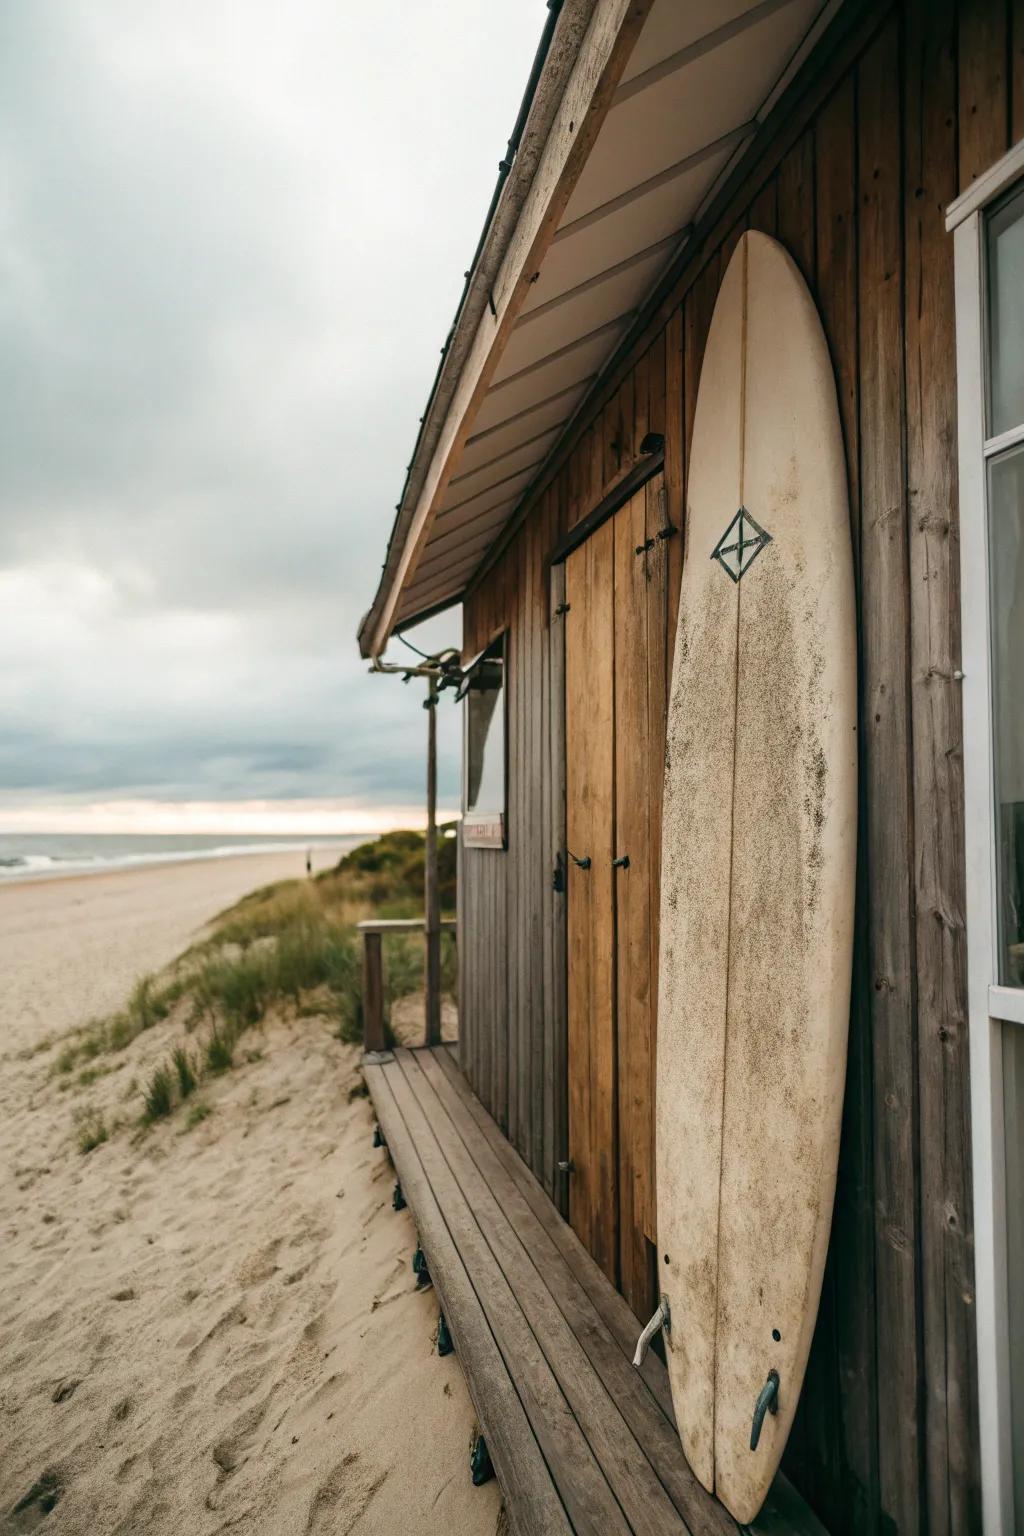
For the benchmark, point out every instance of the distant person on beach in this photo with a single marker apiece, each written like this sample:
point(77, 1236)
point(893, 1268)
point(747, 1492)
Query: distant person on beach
point(309, 862)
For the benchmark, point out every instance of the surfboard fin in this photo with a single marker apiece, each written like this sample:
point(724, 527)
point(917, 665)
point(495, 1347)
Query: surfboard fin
point(661, 1319)
point(767, 1402)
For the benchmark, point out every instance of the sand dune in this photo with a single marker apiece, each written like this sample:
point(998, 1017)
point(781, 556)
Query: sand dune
point(71, 948)
point(215, 1328)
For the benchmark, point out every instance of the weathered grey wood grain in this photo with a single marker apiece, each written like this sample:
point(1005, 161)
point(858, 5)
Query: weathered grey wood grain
point(373, 994)
point(983, 86)
point(638, 1488)
point(581, 1483)
point(850, 1274)
point(952, 1499)
point(795, 204)
point(532, 1501)
point(654, 1432)
point(617, 1315)
point(885, 743)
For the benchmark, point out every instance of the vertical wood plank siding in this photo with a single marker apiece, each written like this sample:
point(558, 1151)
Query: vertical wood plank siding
point(931, 93)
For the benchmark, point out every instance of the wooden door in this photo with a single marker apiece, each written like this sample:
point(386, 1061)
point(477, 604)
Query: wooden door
point(589, 827)
point(616, 588)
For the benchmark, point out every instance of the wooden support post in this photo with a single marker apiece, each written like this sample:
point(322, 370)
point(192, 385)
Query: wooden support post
point(373, 994)
point(431, 894)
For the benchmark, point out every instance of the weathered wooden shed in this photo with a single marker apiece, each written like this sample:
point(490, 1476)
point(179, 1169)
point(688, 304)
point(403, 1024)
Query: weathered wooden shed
point(881, 143)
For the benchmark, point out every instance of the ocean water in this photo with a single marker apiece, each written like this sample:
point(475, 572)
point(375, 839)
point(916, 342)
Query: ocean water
point(26, 855)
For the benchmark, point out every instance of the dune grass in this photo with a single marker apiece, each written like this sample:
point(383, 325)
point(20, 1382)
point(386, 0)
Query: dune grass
point(91, 1131)
point(185, 1070)
point(198, 1112)
point(158, 1097)
point(220, 1050)
point(291, 946)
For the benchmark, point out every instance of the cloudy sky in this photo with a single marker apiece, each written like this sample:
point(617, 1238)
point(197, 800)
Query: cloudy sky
point(232, 237)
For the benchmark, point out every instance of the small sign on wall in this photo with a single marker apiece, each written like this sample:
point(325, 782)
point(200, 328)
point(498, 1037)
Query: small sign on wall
point(483, 831)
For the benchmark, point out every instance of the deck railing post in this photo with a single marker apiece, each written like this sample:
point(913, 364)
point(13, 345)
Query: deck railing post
point(431, 893)
point(373, 932)
point(373, 993)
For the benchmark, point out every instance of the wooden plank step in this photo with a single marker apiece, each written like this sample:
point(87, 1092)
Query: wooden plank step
point(513, 1447)
point(643, 1422)
point(614, 1311)
point(784, 1510)
point(640, 1492)
point(572, 1465)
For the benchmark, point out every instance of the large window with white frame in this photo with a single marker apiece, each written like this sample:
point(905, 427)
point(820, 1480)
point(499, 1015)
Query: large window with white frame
point(988, 221)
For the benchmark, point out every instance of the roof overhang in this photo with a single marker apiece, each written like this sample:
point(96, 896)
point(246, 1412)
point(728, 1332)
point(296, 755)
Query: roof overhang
point(637, 113)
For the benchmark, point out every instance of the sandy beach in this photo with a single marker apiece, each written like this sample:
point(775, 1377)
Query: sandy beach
point(205, 1326)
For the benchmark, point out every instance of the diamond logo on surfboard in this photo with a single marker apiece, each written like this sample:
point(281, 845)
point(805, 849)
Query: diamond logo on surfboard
point(740, 544)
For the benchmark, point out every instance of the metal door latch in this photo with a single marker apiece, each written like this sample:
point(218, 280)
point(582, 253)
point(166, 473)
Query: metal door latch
point(583, 863)
point(566, 1166)
point(622, 862)
point(661, 1319)
point(558, 877)
point(767, 1402)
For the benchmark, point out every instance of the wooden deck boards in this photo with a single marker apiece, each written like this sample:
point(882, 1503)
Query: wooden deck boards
point(580, 1441)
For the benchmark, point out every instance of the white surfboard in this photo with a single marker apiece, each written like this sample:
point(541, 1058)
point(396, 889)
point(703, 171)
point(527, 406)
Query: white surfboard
point(758, 876)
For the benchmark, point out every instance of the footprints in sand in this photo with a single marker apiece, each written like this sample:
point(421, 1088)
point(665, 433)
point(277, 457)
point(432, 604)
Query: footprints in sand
point(259, 1266)
point(38, 1327)
point(40, 1501)
point(242, 1384)
point(343, 1496)
point(233, 1317)
point(230, 1450)
point(241, 1381)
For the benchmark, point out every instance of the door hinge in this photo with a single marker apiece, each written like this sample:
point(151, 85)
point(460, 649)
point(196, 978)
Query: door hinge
point(668, 528)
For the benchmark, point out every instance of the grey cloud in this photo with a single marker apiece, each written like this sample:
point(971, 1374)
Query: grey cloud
point(231, 238)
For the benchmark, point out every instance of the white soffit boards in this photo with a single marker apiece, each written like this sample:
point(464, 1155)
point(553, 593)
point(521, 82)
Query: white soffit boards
point(700, 76)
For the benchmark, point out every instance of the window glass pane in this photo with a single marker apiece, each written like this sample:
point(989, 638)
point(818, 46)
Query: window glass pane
point(1013, 1113)
point(1006, 555)
point(1006, 316)
point(485, 735)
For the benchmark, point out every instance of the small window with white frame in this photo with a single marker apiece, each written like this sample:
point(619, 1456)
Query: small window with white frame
point(988, 221)
point(484, 760)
